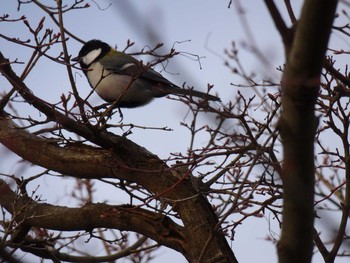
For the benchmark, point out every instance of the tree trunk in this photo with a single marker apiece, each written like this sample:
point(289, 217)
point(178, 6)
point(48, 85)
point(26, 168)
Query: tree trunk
point(298, 123)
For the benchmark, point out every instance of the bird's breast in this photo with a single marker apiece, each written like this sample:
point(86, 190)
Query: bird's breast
point(111, 87)
point(108, 85)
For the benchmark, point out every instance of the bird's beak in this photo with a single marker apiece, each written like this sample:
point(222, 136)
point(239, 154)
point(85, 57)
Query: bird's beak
point(77, 59)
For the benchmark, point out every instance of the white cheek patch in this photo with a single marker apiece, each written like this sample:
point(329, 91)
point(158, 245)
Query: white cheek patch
point(91, 56)
point(127, 65)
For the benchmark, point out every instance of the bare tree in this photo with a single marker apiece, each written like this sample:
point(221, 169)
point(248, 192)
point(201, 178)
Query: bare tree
point(194, 201)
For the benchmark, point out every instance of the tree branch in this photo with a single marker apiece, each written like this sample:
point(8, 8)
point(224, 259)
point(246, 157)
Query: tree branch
point(122, 217)
point(285, 32)
point(300, 87)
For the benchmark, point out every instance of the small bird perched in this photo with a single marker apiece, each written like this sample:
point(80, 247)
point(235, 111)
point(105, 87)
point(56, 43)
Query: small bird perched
point(116, 76)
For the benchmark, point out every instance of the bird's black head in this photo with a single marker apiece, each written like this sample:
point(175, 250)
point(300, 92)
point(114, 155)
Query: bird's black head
point(91, 52)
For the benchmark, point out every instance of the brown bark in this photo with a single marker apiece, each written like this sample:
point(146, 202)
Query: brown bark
point(123, 217)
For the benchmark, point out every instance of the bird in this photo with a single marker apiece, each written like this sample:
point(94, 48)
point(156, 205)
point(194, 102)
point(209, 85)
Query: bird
point(122, 79)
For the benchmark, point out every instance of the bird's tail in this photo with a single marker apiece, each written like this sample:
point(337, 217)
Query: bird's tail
point(189, 92)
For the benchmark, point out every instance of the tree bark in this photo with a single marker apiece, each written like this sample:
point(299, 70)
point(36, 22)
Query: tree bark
point(123, 217)
point(120, 158)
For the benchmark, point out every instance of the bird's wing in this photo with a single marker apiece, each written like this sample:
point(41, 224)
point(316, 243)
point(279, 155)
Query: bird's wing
point(121, 63)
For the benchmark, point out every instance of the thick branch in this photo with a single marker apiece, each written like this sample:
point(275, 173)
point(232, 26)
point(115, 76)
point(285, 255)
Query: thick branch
point(123, 217)
point(300, 86)
point(83, 161)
